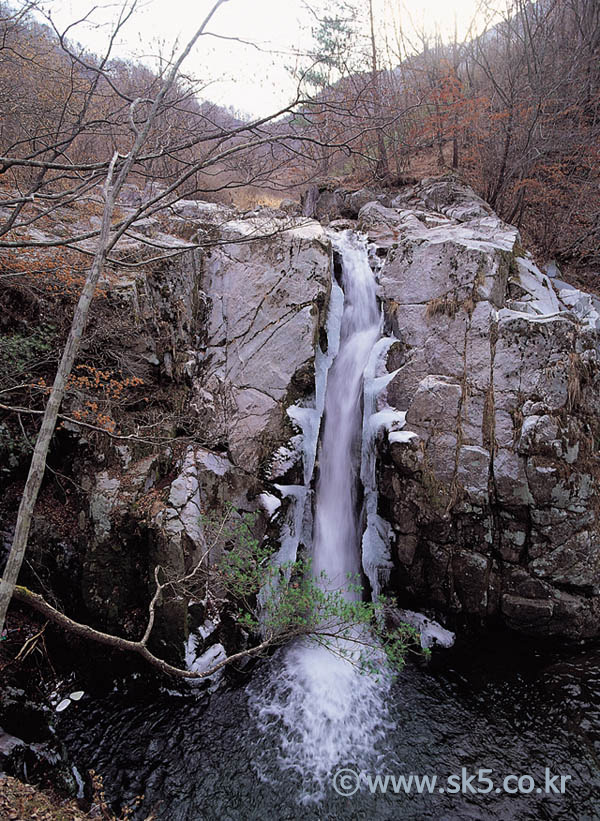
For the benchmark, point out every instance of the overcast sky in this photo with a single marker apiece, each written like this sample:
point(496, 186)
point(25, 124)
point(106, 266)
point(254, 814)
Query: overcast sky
point(248, 79)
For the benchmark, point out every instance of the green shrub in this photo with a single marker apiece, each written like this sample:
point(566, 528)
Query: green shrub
point(21, 353)
point(282, 602)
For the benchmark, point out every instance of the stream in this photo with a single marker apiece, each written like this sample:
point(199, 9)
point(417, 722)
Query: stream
point(495, 704)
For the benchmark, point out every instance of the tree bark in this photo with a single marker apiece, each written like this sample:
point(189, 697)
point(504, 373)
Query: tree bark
point(83, 631)
point(42, 445)
point(382, 167)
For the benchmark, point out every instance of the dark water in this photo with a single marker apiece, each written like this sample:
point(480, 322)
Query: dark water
point(500, 707)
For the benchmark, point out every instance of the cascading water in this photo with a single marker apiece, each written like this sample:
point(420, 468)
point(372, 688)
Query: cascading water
point(336, 536)
point(325, 711)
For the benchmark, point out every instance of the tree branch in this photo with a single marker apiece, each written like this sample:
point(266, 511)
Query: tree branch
point(26, 596)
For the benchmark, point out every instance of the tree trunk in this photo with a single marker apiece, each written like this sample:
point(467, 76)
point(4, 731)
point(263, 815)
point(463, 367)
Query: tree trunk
point(105, 243)
point(42, 445)
point(35, 601)
point(382, 168)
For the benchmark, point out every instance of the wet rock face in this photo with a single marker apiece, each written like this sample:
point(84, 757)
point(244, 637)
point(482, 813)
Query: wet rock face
point(138, 519)
point(494, 502)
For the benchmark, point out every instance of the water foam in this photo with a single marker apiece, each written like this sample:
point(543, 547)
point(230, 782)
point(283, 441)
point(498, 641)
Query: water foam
point(320, 712)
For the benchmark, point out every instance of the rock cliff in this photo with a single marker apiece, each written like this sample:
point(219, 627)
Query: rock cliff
point(491, 487)
point(494, 499)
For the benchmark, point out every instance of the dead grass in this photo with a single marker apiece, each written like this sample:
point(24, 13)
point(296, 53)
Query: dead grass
point(23, 802)
point(576, 374)
point(488, 426)
point(250, 197)
point(447, 305)
point(425, 163)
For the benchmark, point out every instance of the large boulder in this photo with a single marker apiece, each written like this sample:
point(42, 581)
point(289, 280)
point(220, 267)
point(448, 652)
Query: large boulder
point(326, 202)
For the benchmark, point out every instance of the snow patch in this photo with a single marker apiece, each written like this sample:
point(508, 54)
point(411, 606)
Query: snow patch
point(432, 633)
point(196, 663)
point(285, 457)
point(296, 524)
point(402, 436)
point(308, 420)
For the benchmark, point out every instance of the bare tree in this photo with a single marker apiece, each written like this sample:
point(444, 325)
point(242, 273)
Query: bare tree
point(381, 167)
point(107, 238)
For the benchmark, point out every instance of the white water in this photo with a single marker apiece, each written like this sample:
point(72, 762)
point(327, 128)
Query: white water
point(325, 711)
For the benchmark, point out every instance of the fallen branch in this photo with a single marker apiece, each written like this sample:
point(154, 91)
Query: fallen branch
point(26, 596)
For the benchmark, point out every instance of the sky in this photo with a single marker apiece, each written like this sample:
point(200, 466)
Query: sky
point(252, 78)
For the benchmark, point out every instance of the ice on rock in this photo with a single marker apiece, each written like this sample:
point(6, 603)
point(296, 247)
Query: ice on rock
point(211, 657)
point(203, 662)
point(295, 530)
point(208, 627)
point(431, 632)
point(376, 558)
point(286, 457)
point(402, 436)
point(376, 376)
point(376, 380)
point(387, 419)
point(538, 286)
point(269, 503)
point(547, 296)
point(323, 360)
point(295, 525)
point(81, 785)
point(191, 649)
point(584, 306)
point(310, 423)
point(379, 383)
point(306, 418)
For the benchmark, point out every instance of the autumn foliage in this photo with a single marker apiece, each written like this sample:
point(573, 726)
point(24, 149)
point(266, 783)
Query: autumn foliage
point(515, 111)
point(47, 271)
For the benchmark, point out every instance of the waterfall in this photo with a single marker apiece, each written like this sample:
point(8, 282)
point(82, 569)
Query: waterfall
point(323, 710)
point(336, 551)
